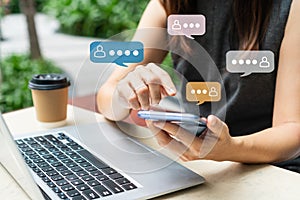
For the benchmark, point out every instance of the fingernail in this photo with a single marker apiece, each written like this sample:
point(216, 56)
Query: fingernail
point(171, 91)
point(212, 120)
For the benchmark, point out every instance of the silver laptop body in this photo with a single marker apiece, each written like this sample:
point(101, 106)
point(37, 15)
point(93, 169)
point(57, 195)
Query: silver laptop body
point(152, 173)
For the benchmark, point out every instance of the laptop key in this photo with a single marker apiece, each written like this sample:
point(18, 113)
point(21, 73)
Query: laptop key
point(43, 164)
point(77, 182)
point(62, 156)
point(46, 179)
point(51, 184)
point(84, 164)
point(28, 139)
point(67, 187)
point(82, 173)
point(56, 190)
point(48, 156)
point(36, 170)
point(76, 147)
point(87, 178)
point(90, 157)
point(26, 149)
point(113, 186)
point(122, 181)
point(82, 187)
point(102, 178)
point(31, 165)
point(53, 149)
point(65, 149)
point(80, 160)
point(43, 152)
point(67, 161)
point(109, 171)
point(90, 194)
point(61, 168)
point(47, 169)
point(129, 186)
point(19, 142)
point(96, 173)
point(71, 177)
point(90, 168)
point(73, 193)
point(66, 173)
point(62, 182)
point(56, 164)
point(71, 165)
point(76, 169)
point(40, 139)
point(79, 198)
point(62, 196)
point(100, 189)
point(115, 176)
point(51, 138)
point(57, 178)
point(52, 173)
point(41, 174)
point(36, 159)
point(93, 183)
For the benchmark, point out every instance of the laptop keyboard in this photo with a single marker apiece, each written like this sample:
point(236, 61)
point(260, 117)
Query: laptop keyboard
point(69, 170)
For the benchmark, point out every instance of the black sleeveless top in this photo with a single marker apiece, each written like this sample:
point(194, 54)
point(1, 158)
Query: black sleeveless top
point(249, 100)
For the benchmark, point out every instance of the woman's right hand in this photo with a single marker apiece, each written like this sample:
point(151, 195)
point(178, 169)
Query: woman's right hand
point(144, 86)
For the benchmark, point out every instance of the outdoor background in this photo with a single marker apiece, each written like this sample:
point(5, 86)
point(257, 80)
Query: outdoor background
point(60, 44)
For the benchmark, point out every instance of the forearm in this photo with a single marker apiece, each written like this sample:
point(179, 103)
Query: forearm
point(106, 105)
point(270, 145)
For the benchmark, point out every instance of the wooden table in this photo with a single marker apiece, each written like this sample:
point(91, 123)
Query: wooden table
point(224, 180)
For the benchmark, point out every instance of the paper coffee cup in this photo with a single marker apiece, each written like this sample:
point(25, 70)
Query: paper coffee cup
point(50, 97)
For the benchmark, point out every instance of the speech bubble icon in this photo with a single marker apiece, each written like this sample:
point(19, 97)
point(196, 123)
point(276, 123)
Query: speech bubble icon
point(187, 25)
point(248, 62)
point(116, 52)
point(203, 92)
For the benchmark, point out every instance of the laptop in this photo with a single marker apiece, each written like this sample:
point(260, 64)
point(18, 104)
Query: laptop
point(104, 164)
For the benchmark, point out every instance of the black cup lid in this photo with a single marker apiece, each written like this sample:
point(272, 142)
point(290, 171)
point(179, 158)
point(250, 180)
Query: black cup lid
point(48, 82)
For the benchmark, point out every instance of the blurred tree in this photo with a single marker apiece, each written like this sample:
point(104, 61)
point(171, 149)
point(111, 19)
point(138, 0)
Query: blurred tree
point(28, 8)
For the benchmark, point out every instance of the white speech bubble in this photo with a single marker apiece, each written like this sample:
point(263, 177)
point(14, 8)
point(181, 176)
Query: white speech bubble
point(248, 62)
point(187, 25)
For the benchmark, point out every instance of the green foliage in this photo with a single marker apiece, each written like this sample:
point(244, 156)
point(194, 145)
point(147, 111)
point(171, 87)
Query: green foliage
point(13, 6)
point(96, 18)
point(16, 71)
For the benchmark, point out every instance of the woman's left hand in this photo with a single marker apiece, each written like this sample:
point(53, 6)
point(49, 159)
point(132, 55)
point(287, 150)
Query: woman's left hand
point(214, 144)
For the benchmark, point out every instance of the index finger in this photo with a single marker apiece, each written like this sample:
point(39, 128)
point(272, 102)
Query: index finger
point(165, 79)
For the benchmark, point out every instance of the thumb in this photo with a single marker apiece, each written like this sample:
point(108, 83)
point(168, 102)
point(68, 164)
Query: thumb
point(215, 125)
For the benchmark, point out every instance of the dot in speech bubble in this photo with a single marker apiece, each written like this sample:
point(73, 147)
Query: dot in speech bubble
point(248, 62)
point(203, 92)
point(116, 52)
point(187, 25)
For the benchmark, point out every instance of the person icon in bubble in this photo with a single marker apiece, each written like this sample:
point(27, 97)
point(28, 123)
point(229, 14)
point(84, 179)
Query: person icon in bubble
point(213, 92)
point(99, 53)
point(264, 62)
point(176, 25)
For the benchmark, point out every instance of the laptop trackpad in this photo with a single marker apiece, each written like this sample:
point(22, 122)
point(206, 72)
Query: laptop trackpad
point(131, 146)
point(132, 157)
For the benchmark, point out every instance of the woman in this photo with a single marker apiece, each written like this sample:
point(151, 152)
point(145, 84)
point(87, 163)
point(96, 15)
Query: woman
point(262, 123)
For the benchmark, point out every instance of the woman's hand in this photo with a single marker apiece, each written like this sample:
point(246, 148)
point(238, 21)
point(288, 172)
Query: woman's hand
point(214, 144)
point(144, 86)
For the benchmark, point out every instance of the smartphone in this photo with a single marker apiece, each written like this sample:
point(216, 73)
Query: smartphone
point(188, 121)
point(173, 117)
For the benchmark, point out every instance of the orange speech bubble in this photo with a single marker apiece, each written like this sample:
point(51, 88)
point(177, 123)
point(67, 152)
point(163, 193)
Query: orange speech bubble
point(203, 92)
